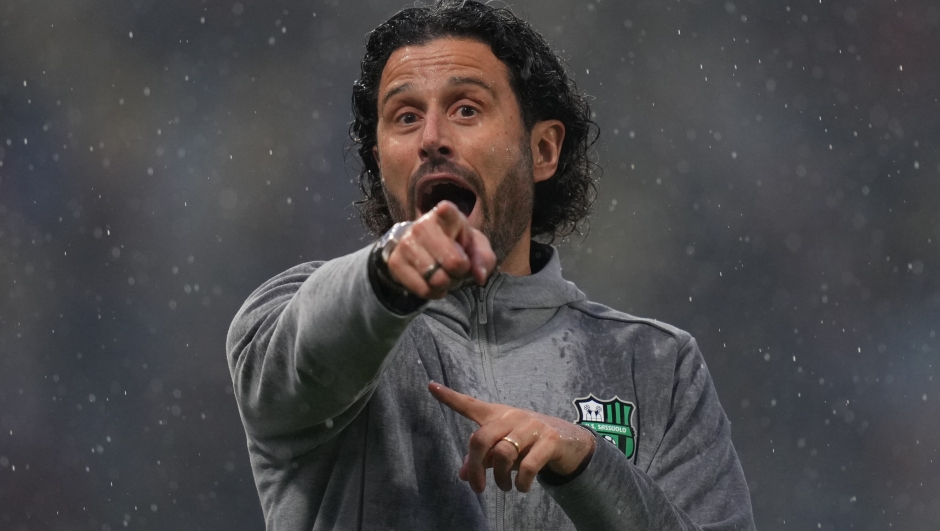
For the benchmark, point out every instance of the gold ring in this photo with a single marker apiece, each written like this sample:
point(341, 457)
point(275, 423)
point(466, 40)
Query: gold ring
point(429, 272)
point(514, 443)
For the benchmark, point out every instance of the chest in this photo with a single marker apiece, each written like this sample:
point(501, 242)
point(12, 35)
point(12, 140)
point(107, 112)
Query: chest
point(566, 369)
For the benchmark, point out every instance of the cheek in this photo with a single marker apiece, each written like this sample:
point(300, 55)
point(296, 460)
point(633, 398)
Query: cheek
point(394, 166)
point(500, 152)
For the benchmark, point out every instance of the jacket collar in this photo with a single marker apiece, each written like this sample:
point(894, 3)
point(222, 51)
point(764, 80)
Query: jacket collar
point(544, 288)
point(505, 296)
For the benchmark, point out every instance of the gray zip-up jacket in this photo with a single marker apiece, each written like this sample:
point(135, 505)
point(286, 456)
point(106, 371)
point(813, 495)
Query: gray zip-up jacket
point(343, 434)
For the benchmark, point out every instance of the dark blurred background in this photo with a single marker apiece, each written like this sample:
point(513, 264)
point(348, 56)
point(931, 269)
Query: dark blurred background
point(771, 185)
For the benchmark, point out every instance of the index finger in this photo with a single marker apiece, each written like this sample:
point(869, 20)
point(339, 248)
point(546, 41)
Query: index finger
point(477, 247)
point(451, 219)
point(474, 409)
point(481, 255)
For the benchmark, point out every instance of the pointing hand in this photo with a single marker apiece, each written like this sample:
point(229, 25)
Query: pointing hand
point(515, 439)
point(440, 251)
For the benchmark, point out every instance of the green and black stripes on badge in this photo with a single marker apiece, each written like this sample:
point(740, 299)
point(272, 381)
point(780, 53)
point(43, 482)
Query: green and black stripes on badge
point(612, 419)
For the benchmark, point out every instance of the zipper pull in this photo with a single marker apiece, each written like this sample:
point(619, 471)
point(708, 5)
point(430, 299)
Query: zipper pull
point(481, 305)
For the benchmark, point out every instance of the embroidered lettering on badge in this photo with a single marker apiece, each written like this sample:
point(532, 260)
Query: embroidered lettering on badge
point(613, 419)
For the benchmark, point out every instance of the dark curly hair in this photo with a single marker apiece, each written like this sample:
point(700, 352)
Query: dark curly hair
point(538, 78)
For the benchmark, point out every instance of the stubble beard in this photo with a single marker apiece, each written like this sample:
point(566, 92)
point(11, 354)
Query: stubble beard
point(505, 221)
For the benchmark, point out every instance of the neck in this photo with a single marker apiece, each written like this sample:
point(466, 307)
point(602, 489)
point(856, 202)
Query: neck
point(517, 262)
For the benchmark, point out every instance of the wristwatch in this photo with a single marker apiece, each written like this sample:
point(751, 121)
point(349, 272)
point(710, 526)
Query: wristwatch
point(390, 292)
point(391, 238)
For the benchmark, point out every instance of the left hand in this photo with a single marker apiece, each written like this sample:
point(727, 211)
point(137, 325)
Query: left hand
point(543, 441)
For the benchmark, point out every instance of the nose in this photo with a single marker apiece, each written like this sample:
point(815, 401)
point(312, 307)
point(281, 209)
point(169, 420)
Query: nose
point(436, 138)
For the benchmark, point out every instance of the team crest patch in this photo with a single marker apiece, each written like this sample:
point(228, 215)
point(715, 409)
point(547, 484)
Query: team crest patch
point(613, 419)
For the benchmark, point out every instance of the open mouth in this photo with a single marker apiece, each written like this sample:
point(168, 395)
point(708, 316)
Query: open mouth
point(448, 191)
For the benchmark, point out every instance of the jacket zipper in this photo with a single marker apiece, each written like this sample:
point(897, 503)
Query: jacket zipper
point(481, 306)
point(482, 340)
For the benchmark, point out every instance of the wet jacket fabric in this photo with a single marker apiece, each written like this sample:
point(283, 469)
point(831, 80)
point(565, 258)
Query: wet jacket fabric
point(343, 434)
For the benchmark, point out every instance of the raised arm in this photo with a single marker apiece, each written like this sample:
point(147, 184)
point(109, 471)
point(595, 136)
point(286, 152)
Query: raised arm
point(307, 347)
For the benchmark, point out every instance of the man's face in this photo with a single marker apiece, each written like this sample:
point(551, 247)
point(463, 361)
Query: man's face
point(450, 128)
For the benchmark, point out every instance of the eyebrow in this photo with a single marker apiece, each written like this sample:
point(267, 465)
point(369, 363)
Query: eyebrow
point(396, 91)
point(453, 82)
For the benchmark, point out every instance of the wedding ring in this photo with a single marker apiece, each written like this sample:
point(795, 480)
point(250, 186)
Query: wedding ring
point(430, 271)
point(514, 443)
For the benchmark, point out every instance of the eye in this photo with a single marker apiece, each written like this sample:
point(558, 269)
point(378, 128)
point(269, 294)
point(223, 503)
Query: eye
point(408, 118)
point(467, 111)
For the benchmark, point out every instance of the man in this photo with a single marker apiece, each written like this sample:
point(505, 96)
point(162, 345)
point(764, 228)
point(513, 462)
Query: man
point(433, 380)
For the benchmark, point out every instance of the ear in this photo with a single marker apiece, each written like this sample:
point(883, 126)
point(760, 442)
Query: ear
point(375, 154)
point(546, 139)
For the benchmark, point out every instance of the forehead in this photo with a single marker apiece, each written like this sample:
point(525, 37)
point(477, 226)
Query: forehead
point(440, 60)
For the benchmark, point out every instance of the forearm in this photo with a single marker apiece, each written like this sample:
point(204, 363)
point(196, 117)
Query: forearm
point(611, 493)
point(308, 345)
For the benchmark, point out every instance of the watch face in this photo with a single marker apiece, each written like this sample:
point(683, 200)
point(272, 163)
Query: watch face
point(399, 229)
point(391, 238)
point(388, 245)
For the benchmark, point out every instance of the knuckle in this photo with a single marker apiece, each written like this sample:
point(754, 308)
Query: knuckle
point(528, 468)
point(441, 212)
point(534, 425)
point(395, 260)
point(405, 246)
point(420, 228)
point(399, 274)
point(477, 441)
point(454, 263)
point(420, 289)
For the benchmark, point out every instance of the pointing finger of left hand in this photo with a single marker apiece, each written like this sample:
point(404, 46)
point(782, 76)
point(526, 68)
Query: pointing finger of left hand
point(476, 410)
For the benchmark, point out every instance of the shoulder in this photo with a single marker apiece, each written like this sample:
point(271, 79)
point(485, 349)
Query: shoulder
point(666, 355)
point(277, 290)
point(290, 279)
point(640, 325)
point(295, 273)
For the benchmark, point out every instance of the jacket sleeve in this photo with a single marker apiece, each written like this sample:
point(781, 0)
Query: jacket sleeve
point(695, 481)
point(306, 351)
